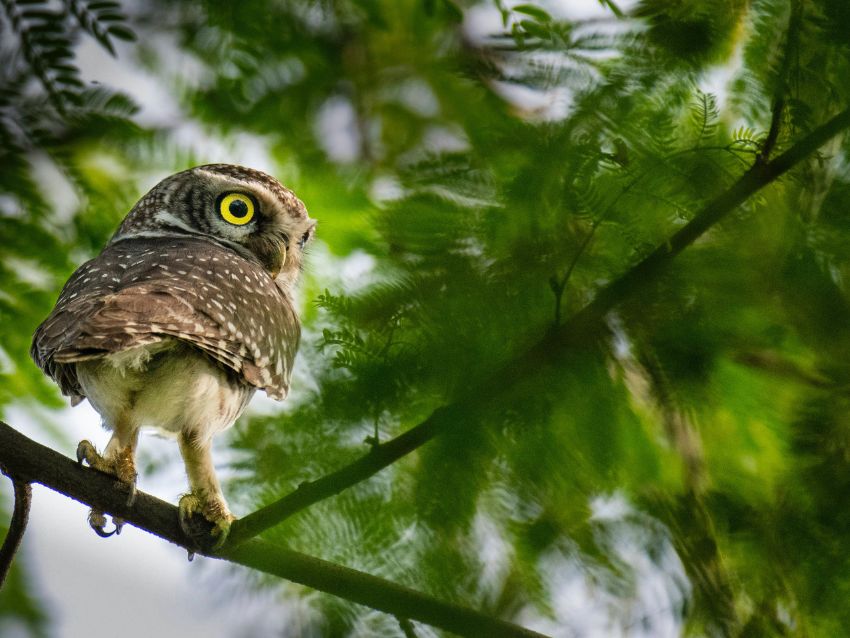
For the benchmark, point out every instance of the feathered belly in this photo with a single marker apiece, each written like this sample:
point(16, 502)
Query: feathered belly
point(169, 386)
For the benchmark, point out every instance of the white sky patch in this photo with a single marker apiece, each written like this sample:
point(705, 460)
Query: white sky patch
point(384, 189)
point(159, 106)
point(552, 104)
point(583, 9)
point(10, 207)
point(347, 273)
point(337, 130)
point(272, 77)
point(6, 363)
point(480, 22)
point(417, 96)
point(29, 271)
point(157, 102)
point(483, 20)
point(590, 601)
point(494, 553)
point(443, 139)
point(716, 81)
point(609, 508)
point(357, 269)
point(483, 23)
point(58, 191)
point(620, 341)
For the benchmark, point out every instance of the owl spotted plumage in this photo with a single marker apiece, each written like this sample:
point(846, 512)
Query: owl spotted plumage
point(183, 316)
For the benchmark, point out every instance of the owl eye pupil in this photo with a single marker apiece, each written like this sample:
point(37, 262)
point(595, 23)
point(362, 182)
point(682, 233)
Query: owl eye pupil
point(238, 208)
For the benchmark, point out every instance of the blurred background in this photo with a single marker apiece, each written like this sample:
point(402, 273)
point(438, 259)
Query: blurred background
point(479, 170)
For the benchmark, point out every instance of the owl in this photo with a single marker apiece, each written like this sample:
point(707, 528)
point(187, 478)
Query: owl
point(183, 316)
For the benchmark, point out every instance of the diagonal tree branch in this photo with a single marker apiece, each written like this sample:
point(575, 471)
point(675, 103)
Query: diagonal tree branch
point(29, 462)
point(580, 328)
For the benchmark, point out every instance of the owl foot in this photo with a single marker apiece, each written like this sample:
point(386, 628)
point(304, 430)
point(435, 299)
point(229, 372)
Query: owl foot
point(121, 467)
point(97, 521)
point(206, 521)
point(88, 453)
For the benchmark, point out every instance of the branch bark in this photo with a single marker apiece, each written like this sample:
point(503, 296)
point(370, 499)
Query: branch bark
point(577, 330)
point(20, 516)
point(30, 462)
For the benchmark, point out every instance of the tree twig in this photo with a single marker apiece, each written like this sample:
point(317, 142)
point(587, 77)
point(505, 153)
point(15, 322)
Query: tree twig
point(407, 628)
point(577, 330)
point(789, 51)
point(379, 457)
point(17, 527)
point(29, 461)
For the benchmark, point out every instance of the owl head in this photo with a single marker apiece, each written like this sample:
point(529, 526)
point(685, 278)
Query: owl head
point(241, 208)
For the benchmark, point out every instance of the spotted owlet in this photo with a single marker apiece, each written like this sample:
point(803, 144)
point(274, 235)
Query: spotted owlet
point(183, 316)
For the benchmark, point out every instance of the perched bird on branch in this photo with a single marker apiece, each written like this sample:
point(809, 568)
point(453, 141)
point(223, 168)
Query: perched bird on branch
point(183, 316)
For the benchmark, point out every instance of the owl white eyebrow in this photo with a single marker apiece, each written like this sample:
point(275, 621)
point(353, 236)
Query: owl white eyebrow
point(170, 220)
point(158, 234)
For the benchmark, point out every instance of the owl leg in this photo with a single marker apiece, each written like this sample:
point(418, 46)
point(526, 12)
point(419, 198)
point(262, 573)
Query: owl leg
point(206, 497)
point(119, 460)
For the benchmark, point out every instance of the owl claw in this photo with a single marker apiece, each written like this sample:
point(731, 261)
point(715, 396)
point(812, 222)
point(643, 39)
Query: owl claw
point(131, 498)
point(220, 532)
point(97, 521)
point(122, 469)
point(88, 453)
point(207, 523)
point(188, 506)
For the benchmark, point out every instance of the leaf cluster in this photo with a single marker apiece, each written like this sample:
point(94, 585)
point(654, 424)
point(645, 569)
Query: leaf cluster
point(492, 187)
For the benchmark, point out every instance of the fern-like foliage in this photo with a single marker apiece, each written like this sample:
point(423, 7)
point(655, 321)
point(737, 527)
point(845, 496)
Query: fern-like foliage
point(491, 186)
point(47, 46)
point(705, 115)
point(102, 20)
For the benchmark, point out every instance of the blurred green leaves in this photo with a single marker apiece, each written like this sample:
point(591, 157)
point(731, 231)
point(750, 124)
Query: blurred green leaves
point(487, 187)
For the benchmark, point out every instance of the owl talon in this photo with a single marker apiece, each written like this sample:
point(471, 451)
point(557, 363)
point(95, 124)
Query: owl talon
point(220, 533)
point(188, 506)
point(131, 498)
point(97, 521)
point(88, 453)
point(206, 523)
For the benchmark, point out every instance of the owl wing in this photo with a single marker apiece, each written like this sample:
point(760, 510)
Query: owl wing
point(142, 291)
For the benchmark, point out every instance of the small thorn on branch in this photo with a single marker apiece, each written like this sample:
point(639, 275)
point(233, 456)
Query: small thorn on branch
point(558, 285)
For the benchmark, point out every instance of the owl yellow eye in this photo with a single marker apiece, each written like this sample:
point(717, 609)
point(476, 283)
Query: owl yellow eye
point(236, 208)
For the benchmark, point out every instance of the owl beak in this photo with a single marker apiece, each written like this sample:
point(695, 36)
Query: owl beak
point(281, 261)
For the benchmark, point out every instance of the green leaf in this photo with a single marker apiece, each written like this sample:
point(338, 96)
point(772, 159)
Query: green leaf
point(534, 11)
point(122, 33)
